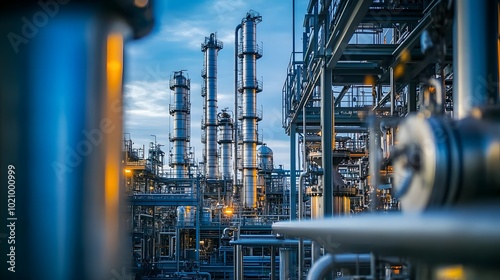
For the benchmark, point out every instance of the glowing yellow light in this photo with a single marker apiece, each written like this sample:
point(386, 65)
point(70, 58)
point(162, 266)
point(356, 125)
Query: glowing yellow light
point(127, 171)
point(228, 211)
point(369, 80)
point(114, 64)
point(399, 71)
point(112, 116)
point(450, 272)
point(405, 56)
point(141, 3)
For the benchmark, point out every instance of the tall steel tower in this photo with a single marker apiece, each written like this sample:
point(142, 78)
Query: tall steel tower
point(248, 87)
point(181, 111)
point(211, 49)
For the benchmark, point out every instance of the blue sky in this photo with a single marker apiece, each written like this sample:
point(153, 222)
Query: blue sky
point(175, 44)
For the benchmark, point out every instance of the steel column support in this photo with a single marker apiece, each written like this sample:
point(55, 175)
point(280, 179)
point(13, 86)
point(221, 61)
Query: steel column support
point(393, 90)
point(412, 97)
point(273, 264)
point(327, 132)
point(293, 171)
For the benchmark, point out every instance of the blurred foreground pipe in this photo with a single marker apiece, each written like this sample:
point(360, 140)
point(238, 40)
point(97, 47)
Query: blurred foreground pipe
point(60, 134)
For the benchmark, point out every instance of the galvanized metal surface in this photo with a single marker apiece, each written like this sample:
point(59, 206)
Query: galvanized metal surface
point(468, 236)
point(249, 54)
point(225, 140)
point(211, 49)
point(180, 110)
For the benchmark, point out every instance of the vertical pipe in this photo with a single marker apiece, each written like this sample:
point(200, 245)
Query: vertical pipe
point(393, 89)
point(475, 55)
point(327, 140)
point(273, 264)
point(315, 252)
point(293, 173)
point(285, 264)
point(198, 221)
point(210, 49)
point(412, 97)
point(374, 159)
point(180, 111)
point(238, 257)
point(293, 33)
point(177, 246)
point(235, 167)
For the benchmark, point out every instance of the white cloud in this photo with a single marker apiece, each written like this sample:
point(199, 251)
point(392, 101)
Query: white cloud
point(177, 46)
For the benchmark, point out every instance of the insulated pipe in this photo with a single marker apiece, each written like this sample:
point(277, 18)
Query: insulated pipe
point(475, 81)
point(320, 269)
point(180, 110)
point(211, 49)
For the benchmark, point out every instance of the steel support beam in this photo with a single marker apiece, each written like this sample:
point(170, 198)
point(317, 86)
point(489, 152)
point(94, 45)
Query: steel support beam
point(293, 172)
point(349, 19)
point(327, 132)
point(412, 97)
point(341, 95)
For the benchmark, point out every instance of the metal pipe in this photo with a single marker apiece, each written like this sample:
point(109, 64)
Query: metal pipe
point(249, 89)
point(301, 210)
point(273, 264)
point(293, 171)
point(197, 273)
point(61, 112)
point(235, 178)
point(211, 49)
point(475, 55)
point(393, 89)
point(238, 258)
point(320, 269)
point(180, 110)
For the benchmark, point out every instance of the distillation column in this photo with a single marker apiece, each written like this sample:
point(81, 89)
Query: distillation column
point(210, 48)
point(180, 110)
point(249, 87)
point(225, 140)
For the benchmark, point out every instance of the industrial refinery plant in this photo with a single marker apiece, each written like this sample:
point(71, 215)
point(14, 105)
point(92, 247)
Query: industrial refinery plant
point(390, 109)
point(379, 126)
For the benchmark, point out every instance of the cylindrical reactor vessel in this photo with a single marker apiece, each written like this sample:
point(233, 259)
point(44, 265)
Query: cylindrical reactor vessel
point(265, 158)
point(210, 48)
point(225, 139)
point(180, 110)
point(249, 87)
